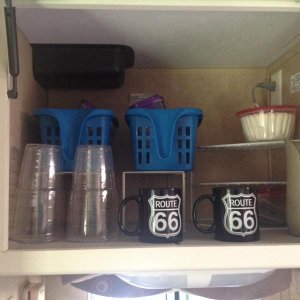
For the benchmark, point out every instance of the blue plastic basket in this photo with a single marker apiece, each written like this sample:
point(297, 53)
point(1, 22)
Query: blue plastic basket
point(164, 139)
point(71, 127)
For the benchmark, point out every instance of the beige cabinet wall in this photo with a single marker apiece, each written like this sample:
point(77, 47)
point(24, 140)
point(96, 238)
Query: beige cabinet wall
point(220, 93)
point(289, 64)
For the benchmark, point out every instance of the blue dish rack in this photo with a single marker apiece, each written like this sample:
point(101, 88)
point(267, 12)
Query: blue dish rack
point(164, 139)
point(72, 127)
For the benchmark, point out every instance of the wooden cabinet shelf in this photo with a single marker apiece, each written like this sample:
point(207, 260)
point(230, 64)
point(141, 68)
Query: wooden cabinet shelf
point(276, 249)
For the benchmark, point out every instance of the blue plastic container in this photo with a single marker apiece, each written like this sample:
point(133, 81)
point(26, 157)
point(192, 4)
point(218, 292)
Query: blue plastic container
point(71, 127)
point(164, 139)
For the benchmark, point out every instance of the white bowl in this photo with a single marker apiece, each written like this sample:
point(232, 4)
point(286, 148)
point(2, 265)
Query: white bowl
point(268, 122)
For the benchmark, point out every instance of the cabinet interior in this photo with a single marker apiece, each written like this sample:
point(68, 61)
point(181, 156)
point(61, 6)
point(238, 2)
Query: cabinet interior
point(220, 87)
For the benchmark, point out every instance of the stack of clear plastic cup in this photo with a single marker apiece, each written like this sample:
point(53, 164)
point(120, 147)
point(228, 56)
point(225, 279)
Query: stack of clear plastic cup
point(40, 199)
point(92, 210)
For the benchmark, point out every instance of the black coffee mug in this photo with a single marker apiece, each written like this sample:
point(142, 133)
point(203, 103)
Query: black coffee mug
point(235, 214)
point(160, 215)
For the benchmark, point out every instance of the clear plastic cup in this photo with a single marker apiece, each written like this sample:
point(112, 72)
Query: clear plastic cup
point(40, 167)
point(39, 216)
point(92, 209)
point(92, 215)
point(94, 168)
point(40, 199)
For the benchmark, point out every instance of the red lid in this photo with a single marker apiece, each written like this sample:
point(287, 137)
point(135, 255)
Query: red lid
point(280, 108)
point(271, 191)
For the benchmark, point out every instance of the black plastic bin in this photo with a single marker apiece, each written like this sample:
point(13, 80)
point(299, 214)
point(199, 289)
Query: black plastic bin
point(63, 66)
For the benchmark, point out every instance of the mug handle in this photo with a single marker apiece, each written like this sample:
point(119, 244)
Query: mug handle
point(120, 216)
point(211, 228)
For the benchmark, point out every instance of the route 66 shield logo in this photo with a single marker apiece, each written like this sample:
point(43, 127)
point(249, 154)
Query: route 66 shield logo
point(165, 217)
point(240, 217)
